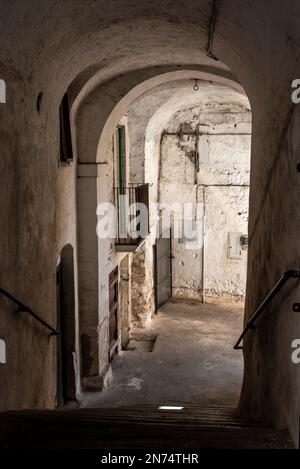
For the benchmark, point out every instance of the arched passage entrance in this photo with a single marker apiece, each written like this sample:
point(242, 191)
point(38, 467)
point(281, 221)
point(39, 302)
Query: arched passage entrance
point(96, 179)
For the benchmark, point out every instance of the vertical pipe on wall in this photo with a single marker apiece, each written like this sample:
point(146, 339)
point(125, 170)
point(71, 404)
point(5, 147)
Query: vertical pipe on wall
point(204, 245)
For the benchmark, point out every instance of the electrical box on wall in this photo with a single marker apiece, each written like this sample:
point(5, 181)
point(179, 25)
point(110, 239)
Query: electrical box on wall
point(234, 245)
point(2, 351)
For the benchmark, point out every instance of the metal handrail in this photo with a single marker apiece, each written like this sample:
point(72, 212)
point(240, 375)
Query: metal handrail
point(25, 309)
point(250, 323)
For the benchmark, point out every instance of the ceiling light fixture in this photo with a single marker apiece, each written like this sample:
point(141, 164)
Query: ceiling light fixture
point(196, 87)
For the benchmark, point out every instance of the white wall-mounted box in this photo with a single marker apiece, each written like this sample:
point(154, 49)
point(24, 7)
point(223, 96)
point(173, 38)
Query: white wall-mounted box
point(234, 245)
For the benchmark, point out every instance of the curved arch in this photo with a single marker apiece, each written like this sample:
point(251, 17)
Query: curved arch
point(94, 133)
point(141, 88)
point(208, 92)
point(114, 95)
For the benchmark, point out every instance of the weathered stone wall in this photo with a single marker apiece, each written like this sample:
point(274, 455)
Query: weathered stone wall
point(274, 238)
point(28, 246)
point(205, 159)
point(142, 293)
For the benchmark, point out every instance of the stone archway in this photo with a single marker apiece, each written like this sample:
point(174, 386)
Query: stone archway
point(95, 185)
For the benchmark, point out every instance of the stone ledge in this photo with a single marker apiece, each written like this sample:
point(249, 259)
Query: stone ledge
point(99, 382)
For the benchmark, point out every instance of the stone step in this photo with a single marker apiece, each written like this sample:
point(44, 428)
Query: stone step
point(146, 427)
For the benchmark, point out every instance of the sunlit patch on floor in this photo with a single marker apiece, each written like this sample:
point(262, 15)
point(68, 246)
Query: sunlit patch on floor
point(135, 383)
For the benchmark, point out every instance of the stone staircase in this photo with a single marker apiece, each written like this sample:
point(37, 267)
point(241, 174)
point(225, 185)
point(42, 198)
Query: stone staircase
point(147, 427)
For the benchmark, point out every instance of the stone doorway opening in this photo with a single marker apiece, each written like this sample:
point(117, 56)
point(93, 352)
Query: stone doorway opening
point(189, 149)
point(66, 379)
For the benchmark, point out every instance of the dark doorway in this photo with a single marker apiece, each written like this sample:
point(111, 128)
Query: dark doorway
point(113, 313)
point(66, 389)
point(163, 269)
point(121, 143)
